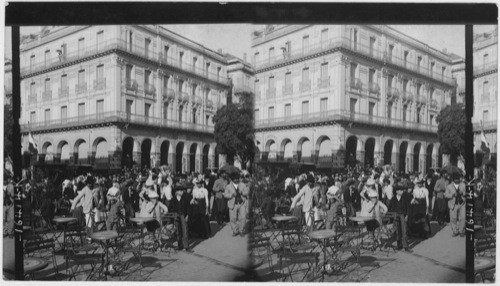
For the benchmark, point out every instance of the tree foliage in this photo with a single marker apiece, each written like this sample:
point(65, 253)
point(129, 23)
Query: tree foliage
point(234, 132)
point(8, 124)
point(451, 131)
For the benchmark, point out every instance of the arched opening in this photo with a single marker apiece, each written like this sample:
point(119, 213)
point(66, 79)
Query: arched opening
point(416, 157)
point(388, 152)
point(179, 149)
point(287, 150)
point(81, 152)
point(370, 152)
point(428, 157)
point(64, 152)
point(101, 153)
point(402, 156)
point(127, 149)
point(351, 147)
point(146, 153)
point(204, 160)
point(270, 150)
point(216, 158)
point(325, 150)
point(304, 151)
point(440, 156)
point(192, 157)
point(164, 148)
point(49, 152)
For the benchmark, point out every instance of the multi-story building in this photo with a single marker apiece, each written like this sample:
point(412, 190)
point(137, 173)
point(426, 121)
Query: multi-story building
point(7, 83)
point(458, 73)
point(242, 75)
point(337, 94)
point(485, 57)
point(113, 95)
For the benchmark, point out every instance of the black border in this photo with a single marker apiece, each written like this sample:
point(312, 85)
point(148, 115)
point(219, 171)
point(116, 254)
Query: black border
point(75, 13)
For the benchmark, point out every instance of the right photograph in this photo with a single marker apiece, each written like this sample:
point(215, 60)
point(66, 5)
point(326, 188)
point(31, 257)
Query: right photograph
point(360, 172)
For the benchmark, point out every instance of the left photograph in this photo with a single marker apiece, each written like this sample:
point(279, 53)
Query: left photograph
point(137, 152)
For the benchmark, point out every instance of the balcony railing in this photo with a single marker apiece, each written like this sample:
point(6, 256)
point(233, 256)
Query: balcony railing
point(100, 84)
point(64, 91)
point(392, 93)
point(373, 87)
point(486, 67)
point(241, 88)
point(47, 95)
point(271, 93)
point(356, 83)
point(81, 88)
point(149, 89)
point(434, 104)
point(131, 84)
point(117, 116)
point(407, 96)
point(305, 86)
point(288, 89)
point(343, 115)
point(32, 98)
point(487, 125)
point(168, 94)
point(119, 44)
point(420, 99)
point(184, 97)
point(324, 82)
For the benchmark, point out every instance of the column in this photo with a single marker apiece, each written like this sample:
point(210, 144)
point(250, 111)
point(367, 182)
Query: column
point(185, 162)
point(57, 158)
point(280, 155)
point(155, 159)
point(199, 162)
point(171, 157)
point(91, 157)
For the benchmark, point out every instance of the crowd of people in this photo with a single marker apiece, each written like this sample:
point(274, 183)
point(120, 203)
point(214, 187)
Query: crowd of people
point(416, 199)
point(110, 201)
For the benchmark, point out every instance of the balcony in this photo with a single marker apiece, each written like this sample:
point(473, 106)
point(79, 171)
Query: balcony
point(118, 44)
point(47, 95)
point(407, 96)
point(131, 84)
point(116, 116)
point(64, 91)
point(149, 89)
point(434, 104)
point(271, 93)
point(210, 104)
point(240, 88)
point(81, 88)
point(168, 94)
point(305, 86)
point(324, 82)
point(356, 83)
point(198, 101)
point(486, 126)
point(100, 84)
point(373, 87)
point(32, 98)
point(420, 99)
point(184, 97)
point(392, 93)
point(343, 115)
point(484, 68)
point(287, 89)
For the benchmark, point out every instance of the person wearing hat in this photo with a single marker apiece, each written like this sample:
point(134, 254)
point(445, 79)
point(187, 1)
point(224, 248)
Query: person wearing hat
point(400, 204)
point(237, 195)
point(306, 196)
point(219, 209)
point(199, 223)
point(144, 195)
point(85, 197)
point(455, 194)
point(418, 223)
point(332, 204)
point(180, 204)
point(372, 207)
point(154, 208)
point(440, 207)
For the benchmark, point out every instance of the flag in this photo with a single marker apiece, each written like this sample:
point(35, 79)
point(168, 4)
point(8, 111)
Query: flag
point(32, 147)
point(485, 146)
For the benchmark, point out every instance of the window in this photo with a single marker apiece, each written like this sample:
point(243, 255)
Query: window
point(147, 44)
point(64, 113)
point(355, 39)
point(194, 115)
point(100, 40)
point(165, 53)
point(33, 116)
point(218, 72)
point(389, 109)
point(390, 80)
point(431, 92)
point(324, 37)
point(195, 59)
point(270, 112)
point(431, 119)
point(405, 58)
point(371, 108)
point(128, 107)
point(128, 72)
point(391, 52)
point(81, 46)
point(288, 110)
point(165, 81)
point(419, 87)
point(323, 106)
point(305, 108)
point(405, 110)
point(179, 85)
point(305, 44)
point(33, 91)
point(47, 87)
point(432, 68)
point(64, 85)
point(47, 116)
point(81, 111)
point(147, 110)
point(32, 61)
point(165, 110)
point(256, 58)
point(181, 54)
point(207, 68)
point(271, 91)
point(324, 71)
point(288, 79)
point(419, 63)
point(271, 54)
point(100, 82)
point(256, 114)
point(419, 110)
point(405, 85)
point(353, 70)
point(485, 60)
point(100, 108)
point(372, 46)
point(305, 75)
point(181, 110)
point(486, 116)
point(147, 76)
point(130, 40)
point(257, 89)
point(81, 85)
point(371, 76)
point(443, 71)
point(47, 57)
point(486, 92)
point(352, 106)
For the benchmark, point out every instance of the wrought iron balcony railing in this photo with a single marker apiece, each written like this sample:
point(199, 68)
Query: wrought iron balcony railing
point(47, 95)
point(64, 91)
point(356, 83)
point(100, 84)
point(131, 84)
point(305, 86)
point(168, 94)
point(486, 67)
point(271, 93)
point(407, 96)
point(81, 88)
point(149, 89)
point(288, 89)
point(324, 82)
point(373, 87)
point(392, 93)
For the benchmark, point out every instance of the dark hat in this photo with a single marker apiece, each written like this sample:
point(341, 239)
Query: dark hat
point(90, 180)
point(310, 178)
point(234, 176)
point(456, 176)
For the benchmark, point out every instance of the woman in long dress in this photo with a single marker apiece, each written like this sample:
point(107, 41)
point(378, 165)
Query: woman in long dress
point(418, 222)
point(199, 223)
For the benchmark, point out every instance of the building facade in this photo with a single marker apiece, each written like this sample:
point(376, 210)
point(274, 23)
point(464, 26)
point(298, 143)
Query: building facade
point(485, 59)
point(241, 74)
point(113, 95)
point(7, 82)
point(458, 73)
point(333, 95)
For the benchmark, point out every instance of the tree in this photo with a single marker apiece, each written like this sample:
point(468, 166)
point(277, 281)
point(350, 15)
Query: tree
point(8, 123)
point(234, 132)
point(451, 131)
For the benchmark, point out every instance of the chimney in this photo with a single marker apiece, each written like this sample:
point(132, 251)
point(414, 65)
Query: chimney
point(245, 57)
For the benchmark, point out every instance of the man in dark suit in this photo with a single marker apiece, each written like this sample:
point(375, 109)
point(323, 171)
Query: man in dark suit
point(400, 204)
point(237, 195)
point(180, 205)
point(455, 194)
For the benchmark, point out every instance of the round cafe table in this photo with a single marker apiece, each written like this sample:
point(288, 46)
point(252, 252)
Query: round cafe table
point(482, 264)
point(141, 221)
point(478, 227)
point(361, 219)
point(104, 237)
point(33, 264)
point(322, 236)
point(64, 221)
point(282, 220)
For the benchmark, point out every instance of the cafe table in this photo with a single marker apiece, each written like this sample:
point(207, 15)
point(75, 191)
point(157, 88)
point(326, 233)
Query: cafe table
point(64, 221)
point(323, 236)
point(482, 264)
point(104, 237)
point(141, 222)
point(282, 220)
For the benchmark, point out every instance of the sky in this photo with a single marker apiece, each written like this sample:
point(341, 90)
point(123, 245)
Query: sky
point(236, 38)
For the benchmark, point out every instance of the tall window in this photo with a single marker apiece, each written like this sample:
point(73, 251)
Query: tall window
point(305, 44)
point(257, 89)
point(371, 76)
point(485, 60)
point(419, 87)
point(130, 40)
point(32, 61)
point(147, 110)
point(48, 93)
point(432, 68)
point(64, 113)
point(165, 110)
point(47, 57)
point(33, 91)
point(405, 110)
point(305, 108)
point(128, 72)
point(194, 115)
point(270, 112)
point(324, 37)
point(180, 83)
point(443, 70)
point(256, 58)
point(353, 71)
point(405, 58)
point(371, 108)
point(207, 68)
point(181, 110)
point(372, 46)
point(165, 53)
point(256, 115)
point(47, 116)
point(323, 106)
point(128, 107)
point(431, 119)
point(389, 109)
point(486, 92)
point(147, 76)
point(288, 110)
point(305, 75)
point(81, 46)
point(195, 59)
point(271, 91)
point(324, 71)
point(81, 111)
point(486, 116)
point(147, 44)
point(288, 79)
point(271, 54)
point(218, 72)
point(352, 106)
point(391, 52)
point(81, 85)
point(33, 116)
point(355, 39)
point(419, 63)
point(405, 85)
point(100, 108)
point(100, 40)
point(181, 54)
point(419, 110)
point(64, 85)
point(100, 83)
